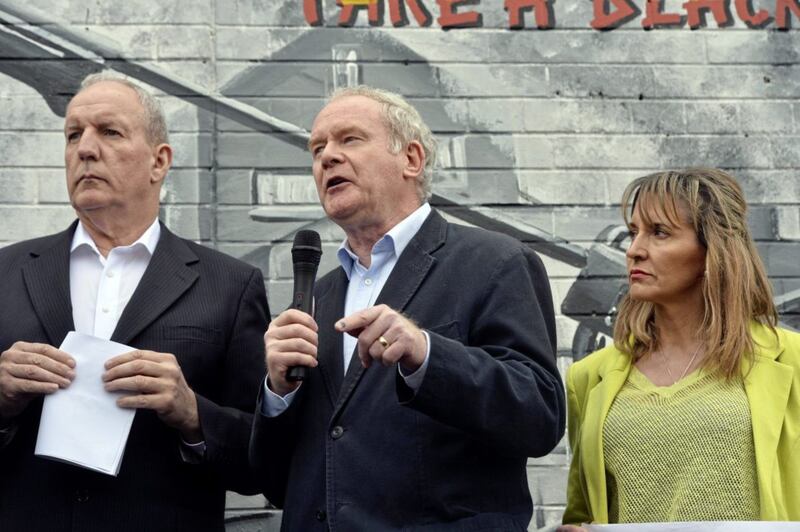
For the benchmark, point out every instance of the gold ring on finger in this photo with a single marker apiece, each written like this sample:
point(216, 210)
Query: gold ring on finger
point(383, 341)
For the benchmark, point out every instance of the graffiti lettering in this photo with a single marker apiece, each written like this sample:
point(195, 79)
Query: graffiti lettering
point(543, 11)
point(607, 14)
point(697, 9)
point(744, 9)
point(312, 10)
point(397, 12)
point(604, 19)
point(656, 18)
point(448, 17)
point(350, 9)
point(782, 8)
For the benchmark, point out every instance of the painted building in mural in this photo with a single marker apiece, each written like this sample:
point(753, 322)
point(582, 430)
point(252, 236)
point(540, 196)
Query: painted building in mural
point(539, 130)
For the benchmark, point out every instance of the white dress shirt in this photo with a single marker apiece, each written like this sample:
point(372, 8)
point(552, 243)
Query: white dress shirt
point(99, 286)
point(365, 284)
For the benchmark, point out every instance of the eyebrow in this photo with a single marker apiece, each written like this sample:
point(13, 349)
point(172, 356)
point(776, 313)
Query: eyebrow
point(103, 118)
point(338, 132)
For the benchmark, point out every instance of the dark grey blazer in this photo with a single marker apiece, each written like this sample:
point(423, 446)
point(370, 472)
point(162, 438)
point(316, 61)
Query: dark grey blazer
point(206, 308)
point(368, 454)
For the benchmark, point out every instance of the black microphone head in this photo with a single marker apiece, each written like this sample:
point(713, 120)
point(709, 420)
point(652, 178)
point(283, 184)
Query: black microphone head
point(307, 247)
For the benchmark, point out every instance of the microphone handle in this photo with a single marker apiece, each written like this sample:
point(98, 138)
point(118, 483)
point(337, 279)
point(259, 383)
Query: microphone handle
point(302, 300)
point(297, 374)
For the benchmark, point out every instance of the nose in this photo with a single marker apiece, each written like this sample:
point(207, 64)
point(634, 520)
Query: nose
point(88, 148)
point(637, 249)
point(330, 156)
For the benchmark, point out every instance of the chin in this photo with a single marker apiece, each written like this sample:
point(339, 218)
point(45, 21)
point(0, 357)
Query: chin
point(87, 201)
point(341, 213)
point(637, 294)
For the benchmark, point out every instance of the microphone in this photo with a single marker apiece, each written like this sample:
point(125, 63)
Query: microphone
point(306, 252)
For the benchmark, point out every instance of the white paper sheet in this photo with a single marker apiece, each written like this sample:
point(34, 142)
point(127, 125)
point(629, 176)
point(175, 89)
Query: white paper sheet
point(82, 424)
point(699, 526)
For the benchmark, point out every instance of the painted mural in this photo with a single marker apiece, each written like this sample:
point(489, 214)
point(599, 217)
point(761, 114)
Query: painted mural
point(504, 131)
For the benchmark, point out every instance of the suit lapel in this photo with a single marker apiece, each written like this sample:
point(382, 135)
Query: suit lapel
point(767, 385)
point(47, 281)
point(598, 403)
point(166, 278)
point(411, 269)
point(330, 307)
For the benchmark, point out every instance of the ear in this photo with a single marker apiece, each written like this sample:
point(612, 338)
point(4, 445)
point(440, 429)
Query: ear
point(414, 160)
point(161, 163)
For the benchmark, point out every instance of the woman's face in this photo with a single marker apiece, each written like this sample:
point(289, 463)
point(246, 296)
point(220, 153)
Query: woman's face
point(666, 260)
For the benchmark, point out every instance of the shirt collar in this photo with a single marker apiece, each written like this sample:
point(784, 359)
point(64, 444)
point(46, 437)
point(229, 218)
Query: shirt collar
point(396, 239)
point(148, 240)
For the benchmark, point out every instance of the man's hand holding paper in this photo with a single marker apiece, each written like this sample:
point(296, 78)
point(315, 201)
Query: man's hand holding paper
point(155, 381)
point(28, 370)
point(83, 425)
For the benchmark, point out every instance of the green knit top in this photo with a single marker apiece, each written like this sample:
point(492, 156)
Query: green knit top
point(680, 453)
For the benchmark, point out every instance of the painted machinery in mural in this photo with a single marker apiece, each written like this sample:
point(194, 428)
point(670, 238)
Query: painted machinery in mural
point(52, 58)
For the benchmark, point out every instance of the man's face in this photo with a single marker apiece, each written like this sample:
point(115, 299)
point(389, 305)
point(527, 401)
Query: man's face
point(109, 160)
point(360, 182)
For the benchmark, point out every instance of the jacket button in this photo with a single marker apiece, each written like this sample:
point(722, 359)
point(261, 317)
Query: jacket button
point(337, 432)
point(321, 515)
point(82, 495)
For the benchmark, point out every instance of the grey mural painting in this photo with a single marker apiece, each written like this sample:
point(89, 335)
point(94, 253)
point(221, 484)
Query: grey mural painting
point(52, 58)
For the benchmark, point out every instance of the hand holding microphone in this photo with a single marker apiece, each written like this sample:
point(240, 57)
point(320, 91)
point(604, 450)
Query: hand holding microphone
point(306, 253)
point(291, 339)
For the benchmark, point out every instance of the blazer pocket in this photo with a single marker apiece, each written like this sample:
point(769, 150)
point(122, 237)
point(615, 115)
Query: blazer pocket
point(194, 333)
point(448, 330)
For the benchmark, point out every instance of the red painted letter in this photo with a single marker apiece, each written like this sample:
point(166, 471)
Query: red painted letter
point(656, 17)
point(517, 8)
point(781, 13)
point(448, 18)
point(745, 12)
point(311, 10)
point(625, 11)
point(351, 8)
point(696, 10)
point(397, 13)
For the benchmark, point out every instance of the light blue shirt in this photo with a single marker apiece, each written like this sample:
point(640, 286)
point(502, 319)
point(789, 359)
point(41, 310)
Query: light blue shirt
point(365, 284)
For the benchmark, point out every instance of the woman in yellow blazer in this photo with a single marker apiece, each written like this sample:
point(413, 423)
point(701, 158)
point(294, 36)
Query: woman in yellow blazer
point(694, 413)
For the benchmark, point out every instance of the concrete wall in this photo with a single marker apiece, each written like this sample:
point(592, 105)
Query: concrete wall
point(540, 130)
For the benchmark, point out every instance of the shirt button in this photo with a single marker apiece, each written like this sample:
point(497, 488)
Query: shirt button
point(367, 282)
point(321, 515)
point(109, 274)
point(337, 432)
point(105, 310)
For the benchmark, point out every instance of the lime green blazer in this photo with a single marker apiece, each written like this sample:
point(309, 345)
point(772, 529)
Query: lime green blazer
point(772, 386)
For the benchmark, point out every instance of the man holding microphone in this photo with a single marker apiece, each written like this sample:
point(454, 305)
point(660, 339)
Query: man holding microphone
point(431, 355)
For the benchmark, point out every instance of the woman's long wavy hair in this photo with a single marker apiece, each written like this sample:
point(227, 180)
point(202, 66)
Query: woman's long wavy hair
point(736, 289)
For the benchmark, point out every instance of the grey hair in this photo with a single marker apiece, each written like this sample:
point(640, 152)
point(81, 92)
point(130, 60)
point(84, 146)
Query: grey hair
point(405, 125)
point(155, 123)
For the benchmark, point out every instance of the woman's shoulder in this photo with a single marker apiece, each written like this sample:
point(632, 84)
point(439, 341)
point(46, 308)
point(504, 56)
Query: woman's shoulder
point(790, 342)
point(777, 338)
point(781, 343)
point(596, 364)
point(789, 336)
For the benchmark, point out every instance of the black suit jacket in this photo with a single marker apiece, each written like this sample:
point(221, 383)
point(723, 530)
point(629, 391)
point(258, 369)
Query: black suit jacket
point(370, 454)
point(210, 311)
